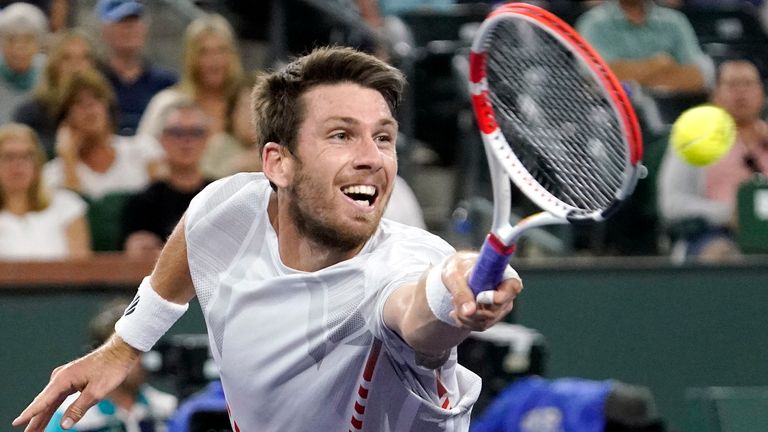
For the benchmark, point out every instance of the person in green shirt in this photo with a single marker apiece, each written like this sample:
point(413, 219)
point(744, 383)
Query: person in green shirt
point(649, 44)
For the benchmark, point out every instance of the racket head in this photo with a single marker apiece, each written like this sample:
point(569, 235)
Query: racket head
point(552, 114)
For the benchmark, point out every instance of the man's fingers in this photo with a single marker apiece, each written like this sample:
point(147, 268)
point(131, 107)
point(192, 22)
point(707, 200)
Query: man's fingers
point(40, 421)
point(77, 410)
point(45, 401)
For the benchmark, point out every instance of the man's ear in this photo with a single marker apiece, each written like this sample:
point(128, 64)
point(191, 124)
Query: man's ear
point(278, 164)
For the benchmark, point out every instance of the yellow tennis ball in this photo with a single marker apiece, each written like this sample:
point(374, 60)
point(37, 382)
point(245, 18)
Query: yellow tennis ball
point(703, 134)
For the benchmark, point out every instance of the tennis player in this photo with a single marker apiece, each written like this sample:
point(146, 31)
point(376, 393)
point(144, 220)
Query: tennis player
point(321, 316)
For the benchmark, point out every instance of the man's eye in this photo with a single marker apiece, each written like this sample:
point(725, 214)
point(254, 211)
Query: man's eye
point(383, 139)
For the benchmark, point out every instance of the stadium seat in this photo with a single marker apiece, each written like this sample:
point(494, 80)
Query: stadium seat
point(105, 219)
point(731, 33)
point(752, 213)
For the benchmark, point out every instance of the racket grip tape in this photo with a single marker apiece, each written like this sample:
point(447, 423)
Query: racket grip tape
point(490, 266)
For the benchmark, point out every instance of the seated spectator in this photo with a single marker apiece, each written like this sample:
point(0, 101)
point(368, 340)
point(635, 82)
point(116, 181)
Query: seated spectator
point(133, 405)
point(649, 44)
point(211, 74)
point(35, 223)
point(699, 203)
point(234, 151)
point(150, 216)
point(533, 403)
point(23, 28)
point(94, 162)
point(209, 400)
point(70, 52)
point(57, 11)
point(134, 79)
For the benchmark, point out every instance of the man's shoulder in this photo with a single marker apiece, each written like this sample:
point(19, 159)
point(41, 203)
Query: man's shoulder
point(667, 16)
point(599, 14)
point(245, 192)
point(160, 75)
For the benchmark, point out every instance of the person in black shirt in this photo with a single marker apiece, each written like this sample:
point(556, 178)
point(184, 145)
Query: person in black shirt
point(150, 216)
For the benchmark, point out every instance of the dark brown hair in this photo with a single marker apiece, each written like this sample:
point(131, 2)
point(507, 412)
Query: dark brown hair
point(277, 104)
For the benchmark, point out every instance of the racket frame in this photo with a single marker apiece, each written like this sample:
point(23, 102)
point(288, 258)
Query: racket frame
point(504, 165)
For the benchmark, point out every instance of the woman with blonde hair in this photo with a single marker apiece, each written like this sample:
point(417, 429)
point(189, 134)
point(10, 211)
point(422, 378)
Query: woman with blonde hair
point(35, 223)
point(212, 72)
point(71, 51)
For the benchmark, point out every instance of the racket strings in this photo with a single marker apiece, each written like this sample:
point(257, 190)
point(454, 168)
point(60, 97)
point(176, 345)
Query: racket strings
point(555, 116)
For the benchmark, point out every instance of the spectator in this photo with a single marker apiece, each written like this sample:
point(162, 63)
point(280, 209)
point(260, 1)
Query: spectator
point(57, 11)
point(699, 203)
point(71, 51)
point(150, 216)
point(23, 28)
point(209, 400)
point(134, 405)
point(652, 45)
point(35, 223)
point(102, 167)
point(234, 151)
point(211, 74)
point(134, 79)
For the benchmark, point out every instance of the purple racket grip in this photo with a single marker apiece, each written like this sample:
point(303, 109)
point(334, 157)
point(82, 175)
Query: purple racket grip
point(490, 266)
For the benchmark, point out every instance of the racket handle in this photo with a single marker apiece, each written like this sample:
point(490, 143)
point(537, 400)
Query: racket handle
point(490, 266)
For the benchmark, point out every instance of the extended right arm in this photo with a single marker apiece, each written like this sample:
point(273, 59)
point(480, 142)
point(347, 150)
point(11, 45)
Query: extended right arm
point(96, 374)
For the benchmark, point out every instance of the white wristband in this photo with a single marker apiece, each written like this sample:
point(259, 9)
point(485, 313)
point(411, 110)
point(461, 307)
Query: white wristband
point(439, 298)
point(147, 318)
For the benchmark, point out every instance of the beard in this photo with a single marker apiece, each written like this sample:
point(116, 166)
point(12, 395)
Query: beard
point(314, 217)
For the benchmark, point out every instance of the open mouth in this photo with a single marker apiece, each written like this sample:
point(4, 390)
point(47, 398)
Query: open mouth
point(364, 195)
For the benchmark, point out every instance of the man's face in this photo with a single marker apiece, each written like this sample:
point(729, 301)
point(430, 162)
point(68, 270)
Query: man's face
point(740, 91)
point(19, 51)
point(345, 165)
point(184, 137)
point(126, 36)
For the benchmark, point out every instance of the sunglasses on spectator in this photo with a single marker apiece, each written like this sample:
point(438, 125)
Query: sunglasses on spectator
point(185, 132)
point(10, 157)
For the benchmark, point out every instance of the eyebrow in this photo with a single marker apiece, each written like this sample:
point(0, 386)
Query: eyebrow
point(389, 121)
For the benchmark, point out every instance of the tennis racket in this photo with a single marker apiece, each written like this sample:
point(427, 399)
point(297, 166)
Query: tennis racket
point(553, 119)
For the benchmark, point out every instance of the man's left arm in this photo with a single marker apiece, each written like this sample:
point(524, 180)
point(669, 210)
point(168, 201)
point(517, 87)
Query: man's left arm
point(408, 313)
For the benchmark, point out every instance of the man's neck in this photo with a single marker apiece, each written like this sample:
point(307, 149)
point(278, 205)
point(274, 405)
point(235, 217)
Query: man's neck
point(127, 66)
point(296, 250)
point(635, 11)
point(185, 179)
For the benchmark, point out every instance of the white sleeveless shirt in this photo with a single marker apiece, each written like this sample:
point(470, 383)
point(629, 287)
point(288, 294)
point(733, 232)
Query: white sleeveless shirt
point(301, 351)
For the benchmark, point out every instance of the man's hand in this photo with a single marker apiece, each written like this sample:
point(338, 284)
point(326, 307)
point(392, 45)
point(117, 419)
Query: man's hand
point(94, 376)
point(467, 312)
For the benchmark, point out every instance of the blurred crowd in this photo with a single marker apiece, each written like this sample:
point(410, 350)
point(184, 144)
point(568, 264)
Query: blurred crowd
point(102, 146)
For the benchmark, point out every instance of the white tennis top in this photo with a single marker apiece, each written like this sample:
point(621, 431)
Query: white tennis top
point(302, 351)
point(40, 235)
